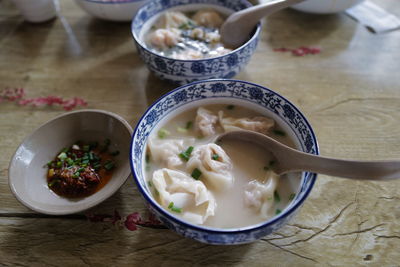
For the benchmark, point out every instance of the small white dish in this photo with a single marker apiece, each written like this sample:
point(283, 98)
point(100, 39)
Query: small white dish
point(28, 170)
point(115, 10)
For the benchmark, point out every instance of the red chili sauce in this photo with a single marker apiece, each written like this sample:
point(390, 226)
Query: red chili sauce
point(81, 170)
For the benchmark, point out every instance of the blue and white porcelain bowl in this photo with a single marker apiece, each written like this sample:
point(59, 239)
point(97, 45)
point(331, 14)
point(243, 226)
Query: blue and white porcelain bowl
point(115, 10)
point(223, 91)
point(186, 71)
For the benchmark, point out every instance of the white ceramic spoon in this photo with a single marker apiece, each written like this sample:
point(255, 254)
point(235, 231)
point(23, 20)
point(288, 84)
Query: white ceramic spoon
point(291, 160)
point(237, 28)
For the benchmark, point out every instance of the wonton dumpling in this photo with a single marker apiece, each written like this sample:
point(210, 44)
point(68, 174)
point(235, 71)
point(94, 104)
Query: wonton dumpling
point(256, 124)
point(167, 151)
point(164, 38)
point(208, 18)
point(192, 196)
point(260, 196)
point(205, 122)
point(216, 172)
point(172, 19)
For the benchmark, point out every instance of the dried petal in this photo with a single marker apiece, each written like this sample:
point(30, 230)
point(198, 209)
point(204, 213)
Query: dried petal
point(301, 51)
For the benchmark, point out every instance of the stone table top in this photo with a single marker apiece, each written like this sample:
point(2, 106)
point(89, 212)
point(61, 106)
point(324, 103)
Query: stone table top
point(350, 93)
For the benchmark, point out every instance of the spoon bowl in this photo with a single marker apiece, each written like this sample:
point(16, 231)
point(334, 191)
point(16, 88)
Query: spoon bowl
point(238, 27)
point(291, 160)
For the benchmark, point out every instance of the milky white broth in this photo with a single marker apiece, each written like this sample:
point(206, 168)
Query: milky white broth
point(249, 162)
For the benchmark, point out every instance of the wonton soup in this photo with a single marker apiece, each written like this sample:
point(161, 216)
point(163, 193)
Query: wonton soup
point(187, 35)
point(226, 184)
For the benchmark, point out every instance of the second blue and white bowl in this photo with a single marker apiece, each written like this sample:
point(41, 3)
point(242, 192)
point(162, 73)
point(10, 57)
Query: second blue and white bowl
point(235, 92)
point(186, 71)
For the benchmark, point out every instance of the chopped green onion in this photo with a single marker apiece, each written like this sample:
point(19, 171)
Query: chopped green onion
point(189, 125)
point(53, 182)
point(230, 107)
point(59, 164)
point(181, 130)
point(109, 165)
point(86, 148)
point(215, 157)
point(186, 154)
point(183, 26)
point(176, 209)
point(115, 153)
point(84, 165)
point(76, 175)
point(277, 211)
point(196, 173)
point(279, 132)
point(276, 196)
point(97, 167)
point(62, 156)
point(173, 208)
point(91, 156)
point(69, 161)
point(162, 133)
point(86, 161)
point(80, 170)
point(65, 150)
point(50, 163)
point(292, 195)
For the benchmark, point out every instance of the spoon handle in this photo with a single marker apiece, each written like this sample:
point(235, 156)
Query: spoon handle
point(254, 14)
point(360, 170)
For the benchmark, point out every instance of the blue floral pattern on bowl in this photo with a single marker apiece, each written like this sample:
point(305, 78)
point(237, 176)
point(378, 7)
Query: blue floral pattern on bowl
point(186, 71)
point(225, 91)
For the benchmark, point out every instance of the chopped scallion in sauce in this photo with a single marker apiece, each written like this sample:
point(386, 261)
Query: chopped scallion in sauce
point(84, 164)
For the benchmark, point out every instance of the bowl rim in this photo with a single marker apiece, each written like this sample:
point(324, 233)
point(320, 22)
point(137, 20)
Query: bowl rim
point(112, 1)
point(238, 230)
point(79, 209)
point(234, 51)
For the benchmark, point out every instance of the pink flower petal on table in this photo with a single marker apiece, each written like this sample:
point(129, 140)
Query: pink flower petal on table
point(300, 51)
point(132, 220)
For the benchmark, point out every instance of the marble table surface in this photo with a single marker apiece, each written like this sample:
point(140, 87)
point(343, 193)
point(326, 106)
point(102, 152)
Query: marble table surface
point(350, 93)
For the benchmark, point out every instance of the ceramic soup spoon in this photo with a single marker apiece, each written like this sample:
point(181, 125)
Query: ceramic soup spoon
point(237, 28)
point(291, 160)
